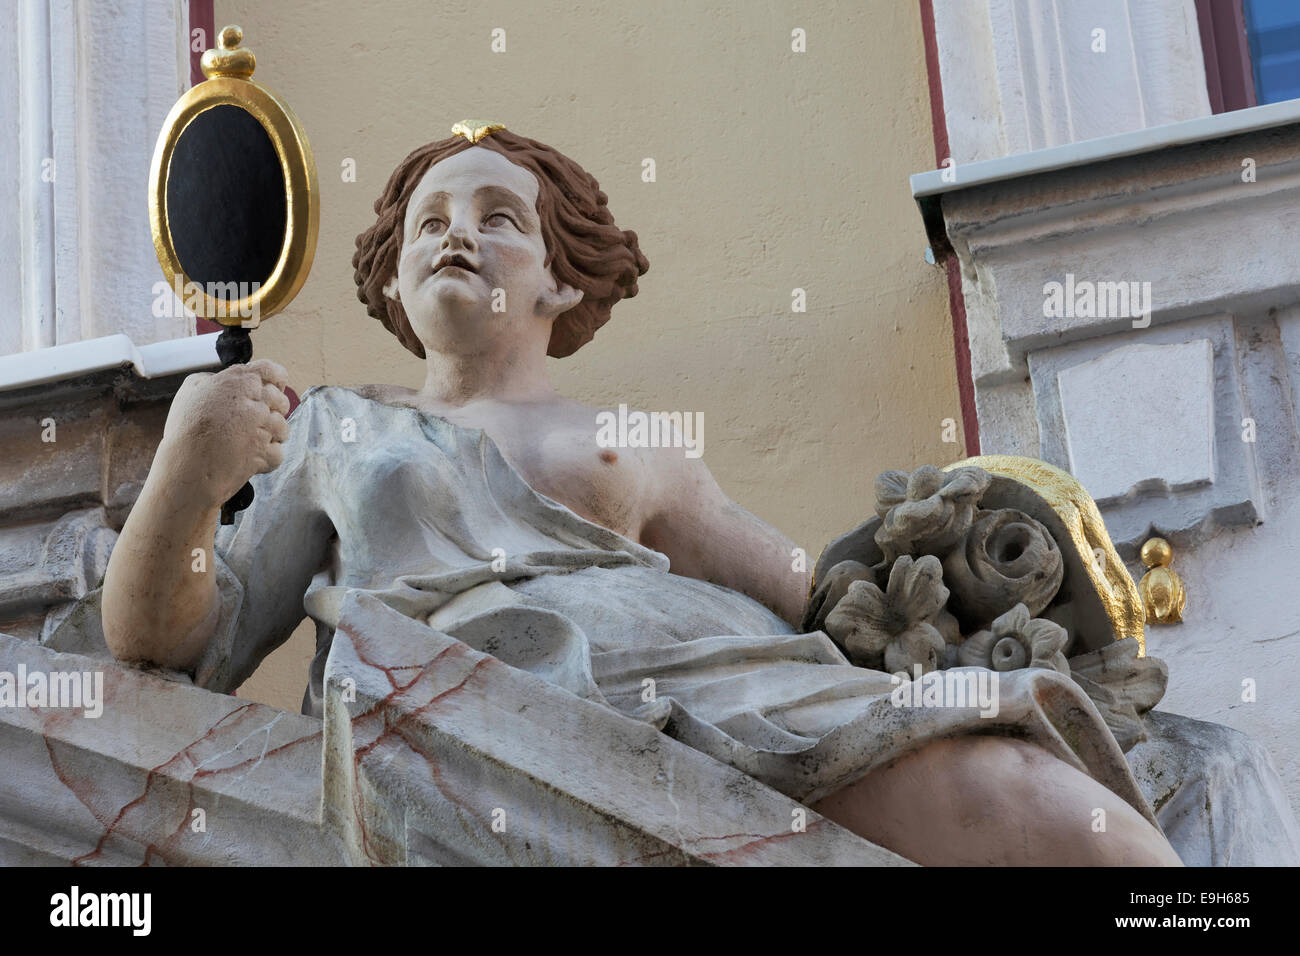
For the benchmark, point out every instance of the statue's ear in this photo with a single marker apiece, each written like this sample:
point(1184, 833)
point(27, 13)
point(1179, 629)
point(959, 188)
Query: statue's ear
point(390, 289)
point(557, 301)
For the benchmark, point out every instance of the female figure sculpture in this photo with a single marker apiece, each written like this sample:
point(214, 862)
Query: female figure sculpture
point(481, 505)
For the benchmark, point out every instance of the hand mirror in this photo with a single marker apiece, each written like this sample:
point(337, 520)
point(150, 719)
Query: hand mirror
point(234, 204)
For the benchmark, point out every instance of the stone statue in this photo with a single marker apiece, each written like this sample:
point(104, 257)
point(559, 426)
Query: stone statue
point(481, 506)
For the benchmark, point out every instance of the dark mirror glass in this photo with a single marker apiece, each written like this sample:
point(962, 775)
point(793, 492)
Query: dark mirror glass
point(225, 198)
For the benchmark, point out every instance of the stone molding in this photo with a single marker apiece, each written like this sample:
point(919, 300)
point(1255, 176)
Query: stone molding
point(80, 424)
point(1203, 227)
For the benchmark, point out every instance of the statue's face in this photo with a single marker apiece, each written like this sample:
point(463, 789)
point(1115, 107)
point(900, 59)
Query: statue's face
point(482, 207)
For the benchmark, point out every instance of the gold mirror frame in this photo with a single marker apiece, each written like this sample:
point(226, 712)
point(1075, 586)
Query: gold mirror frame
point(297, 164)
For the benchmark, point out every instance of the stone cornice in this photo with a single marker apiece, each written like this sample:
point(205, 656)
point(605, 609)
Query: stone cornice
point(61, 362)
point(931, 189)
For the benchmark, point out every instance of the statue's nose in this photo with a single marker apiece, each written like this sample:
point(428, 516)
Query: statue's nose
point(458, 236)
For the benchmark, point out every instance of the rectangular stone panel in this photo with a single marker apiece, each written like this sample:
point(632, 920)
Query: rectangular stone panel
point(1140, 416)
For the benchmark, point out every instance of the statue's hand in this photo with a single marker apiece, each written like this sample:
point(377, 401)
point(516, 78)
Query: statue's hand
point(225, 427)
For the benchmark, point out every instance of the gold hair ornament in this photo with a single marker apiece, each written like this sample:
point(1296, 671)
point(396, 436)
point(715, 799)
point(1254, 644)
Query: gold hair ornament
point(474, 130)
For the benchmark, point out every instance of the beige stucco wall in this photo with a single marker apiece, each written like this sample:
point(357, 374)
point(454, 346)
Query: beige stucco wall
point(775, 170)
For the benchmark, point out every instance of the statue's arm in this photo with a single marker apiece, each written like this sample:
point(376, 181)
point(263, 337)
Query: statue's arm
point(155, 609)
point(708, 536)
point(161, 602)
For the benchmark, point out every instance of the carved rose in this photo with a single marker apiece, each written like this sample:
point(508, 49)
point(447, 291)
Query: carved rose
point(1016, 640)
point(1006, 558)
point(895, 626)
point(928, 511)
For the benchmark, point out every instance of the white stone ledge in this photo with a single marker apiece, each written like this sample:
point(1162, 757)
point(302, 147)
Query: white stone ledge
point(171, 357)
point(1103, 148)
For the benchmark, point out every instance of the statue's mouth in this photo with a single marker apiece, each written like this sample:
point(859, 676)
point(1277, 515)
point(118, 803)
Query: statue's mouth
point(458, 261)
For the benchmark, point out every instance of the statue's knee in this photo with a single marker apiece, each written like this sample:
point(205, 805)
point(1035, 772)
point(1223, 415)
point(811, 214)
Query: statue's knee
point(988, 771)
point(981, 799)
point(1031, 798)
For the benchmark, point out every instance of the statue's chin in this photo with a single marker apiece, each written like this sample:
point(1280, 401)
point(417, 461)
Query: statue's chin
point(452, 288)
point(449, 301)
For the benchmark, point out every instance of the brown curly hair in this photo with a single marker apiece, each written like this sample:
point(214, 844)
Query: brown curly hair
point(584, 248)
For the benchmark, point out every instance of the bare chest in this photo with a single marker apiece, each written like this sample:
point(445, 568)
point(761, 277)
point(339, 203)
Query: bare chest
point(555, 451)
point(562, 461)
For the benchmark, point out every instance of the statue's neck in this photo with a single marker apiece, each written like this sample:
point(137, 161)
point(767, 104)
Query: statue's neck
point(506, 375)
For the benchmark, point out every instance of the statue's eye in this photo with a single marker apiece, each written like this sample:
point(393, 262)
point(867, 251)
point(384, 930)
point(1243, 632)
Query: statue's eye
point(501, 215)
point(424, 226)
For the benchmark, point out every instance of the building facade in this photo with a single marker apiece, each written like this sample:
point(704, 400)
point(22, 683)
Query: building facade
point(1115, 201)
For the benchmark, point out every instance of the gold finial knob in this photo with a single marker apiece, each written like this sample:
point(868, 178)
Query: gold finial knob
point(474, 130)
point(229, 58)
point(1161, 588)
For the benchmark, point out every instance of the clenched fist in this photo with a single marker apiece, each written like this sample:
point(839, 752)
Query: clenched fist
point(225, 427)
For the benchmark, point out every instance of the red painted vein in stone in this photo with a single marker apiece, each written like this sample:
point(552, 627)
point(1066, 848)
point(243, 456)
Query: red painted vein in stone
point(85, 796)
point(739, 853)
point(436, 776)
point(639, 860)
point(754, 841)
point(111, 826)
point(398, 728)
point(261, 757)
point(376, 713)
point(387, 699)
point(375, 644)
point(360, 752)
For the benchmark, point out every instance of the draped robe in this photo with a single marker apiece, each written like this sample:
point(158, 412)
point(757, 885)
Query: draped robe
point(428, 517)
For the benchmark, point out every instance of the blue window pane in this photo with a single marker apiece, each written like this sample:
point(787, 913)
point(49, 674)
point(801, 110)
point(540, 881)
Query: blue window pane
point(1273, 29)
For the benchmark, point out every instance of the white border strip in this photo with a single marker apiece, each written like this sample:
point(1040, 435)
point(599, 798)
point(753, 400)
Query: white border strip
point(931, 183)
point(190, 354)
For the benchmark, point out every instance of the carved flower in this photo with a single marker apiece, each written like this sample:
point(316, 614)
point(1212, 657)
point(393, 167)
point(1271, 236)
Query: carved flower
point(1016, 640)
point(928, 511)
point(833, 587)
point(1006, 558)
point(895, 626)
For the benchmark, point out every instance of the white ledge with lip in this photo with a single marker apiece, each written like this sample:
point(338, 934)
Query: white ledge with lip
point(1103, 148)
point(170, 357)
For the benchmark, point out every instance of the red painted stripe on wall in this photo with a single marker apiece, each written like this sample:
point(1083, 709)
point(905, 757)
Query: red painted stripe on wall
point(201, 18)
point(956, 302)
